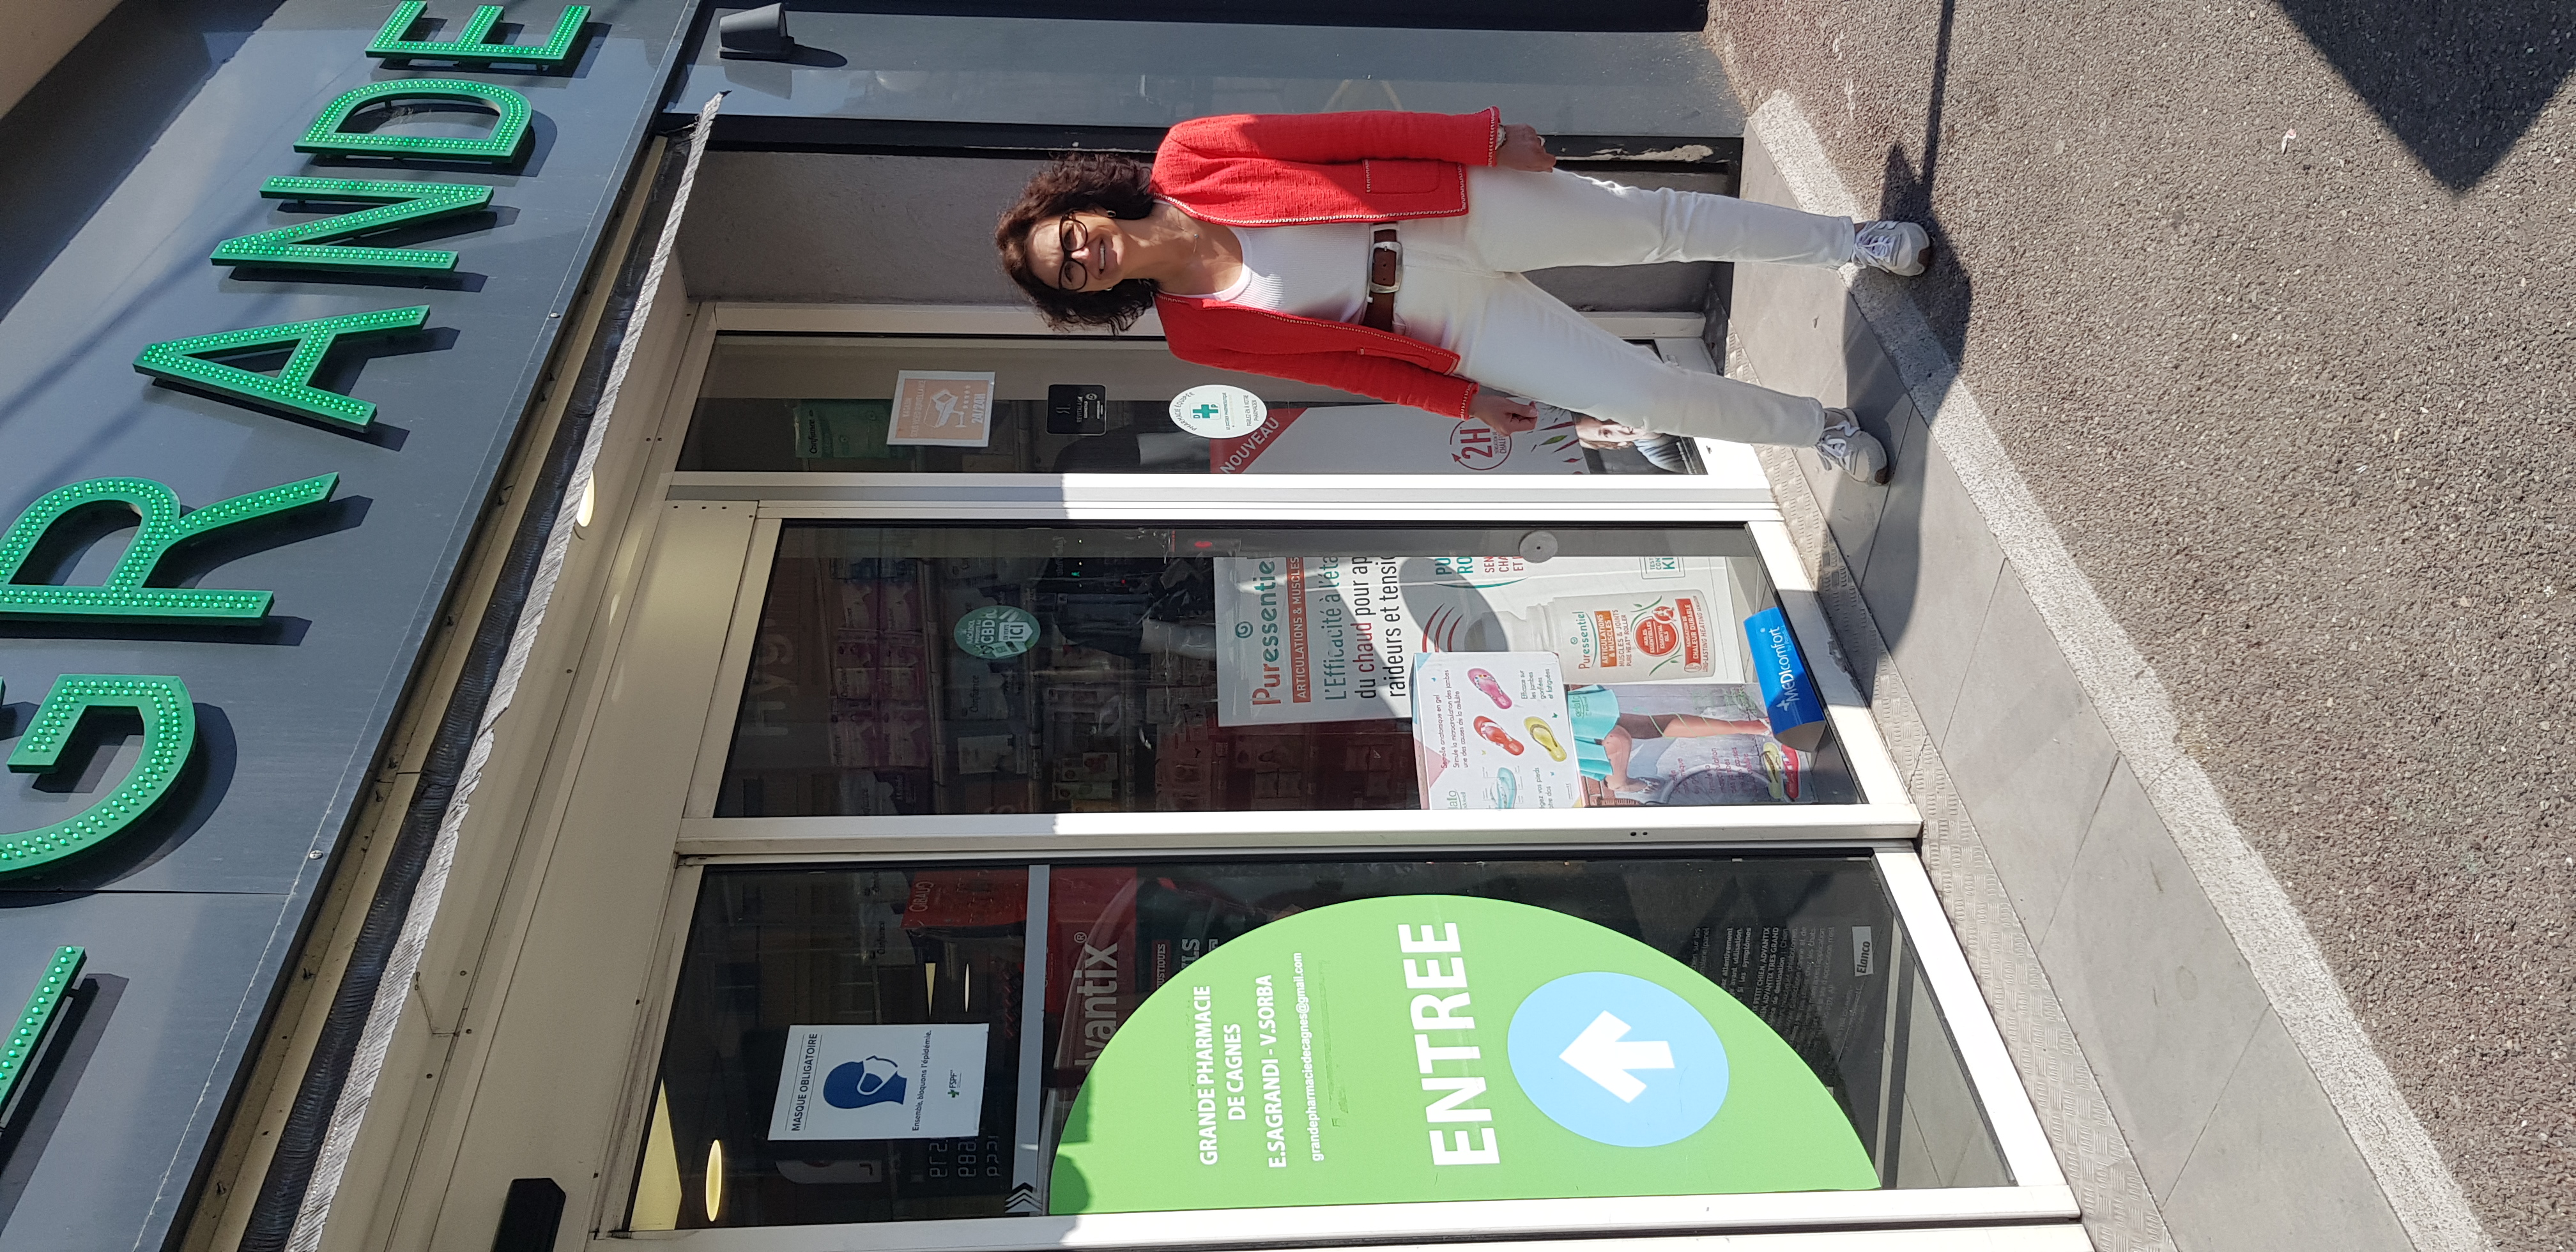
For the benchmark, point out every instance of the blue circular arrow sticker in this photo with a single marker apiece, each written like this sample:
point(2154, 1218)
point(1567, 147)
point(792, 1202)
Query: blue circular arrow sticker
point(1618, 1060)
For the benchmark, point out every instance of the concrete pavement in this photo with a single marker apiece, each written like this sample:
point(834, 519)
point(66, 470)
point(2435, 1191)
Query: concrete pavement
point(2269, 309)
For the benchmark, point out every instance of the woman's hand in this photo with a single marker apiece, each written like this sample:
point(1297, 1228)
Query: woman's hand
point(1522, 149)
point(1506, 415)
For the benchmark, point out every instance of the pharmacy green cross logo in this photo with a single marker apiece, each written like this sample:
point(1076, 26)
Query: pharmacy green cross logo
point(1206, 410)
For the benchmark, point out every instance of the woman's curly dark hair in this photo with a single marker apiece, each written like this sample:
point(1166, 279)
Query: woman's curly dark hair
point(1075, 183)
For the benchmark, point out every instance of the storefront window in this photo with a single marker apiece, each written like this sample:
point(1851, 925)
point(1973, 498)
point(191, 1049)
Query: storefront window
point(860, 1045)
point(1013, 669)
point(787, 404)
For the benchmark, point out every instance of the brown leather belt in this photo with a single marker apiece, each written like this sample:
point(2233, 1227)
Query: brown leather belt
point(1385, 278)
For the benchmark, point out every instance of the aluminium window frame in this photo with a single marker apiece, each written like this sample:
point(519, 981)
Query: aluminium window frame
point(1883, 826)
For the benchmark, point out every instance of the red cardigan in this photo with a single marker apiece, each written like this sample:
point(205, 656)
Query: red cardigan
point(1298, 169)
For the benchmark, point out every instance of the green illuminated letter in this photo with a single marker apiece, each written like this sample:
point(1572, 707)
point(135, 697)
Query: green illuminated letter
point(61, 975)
point(292, 392)
point(472, 43)
point(169, 734)
point(124, 595)
point(502, 145)
point(298, 247)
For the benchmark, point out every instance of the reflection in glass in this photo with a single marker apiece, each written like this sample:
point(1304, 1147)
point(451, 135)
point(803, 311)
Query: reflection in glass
point(795, 404)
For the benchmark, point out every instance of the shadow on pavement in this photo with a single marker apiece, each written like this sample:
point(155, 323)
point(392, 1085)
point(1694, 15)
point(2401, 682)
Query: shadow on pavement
point(1944, 291)
point(2458, 81)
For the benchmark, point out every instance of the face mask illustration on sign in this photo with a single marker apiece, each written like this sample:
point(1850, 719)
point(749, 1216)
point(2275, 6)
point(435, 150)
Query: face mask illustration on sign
point(858, 1084)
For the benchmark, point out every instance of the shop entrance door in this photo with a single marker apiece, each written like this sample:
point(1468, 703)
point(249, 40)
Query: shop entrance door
point(889, 739)
point(1018, 842)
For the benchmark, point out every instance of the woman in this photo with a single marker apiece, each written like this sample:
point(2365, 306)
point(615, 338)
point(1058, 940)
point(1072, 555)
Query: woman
point(1340, 249)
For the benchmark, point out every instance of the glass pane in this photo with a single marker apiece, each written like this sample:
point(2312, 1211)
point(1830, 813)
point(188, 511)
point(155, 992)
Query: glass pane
point(1006, 669)
point(785, 404)
point(1832, 1069)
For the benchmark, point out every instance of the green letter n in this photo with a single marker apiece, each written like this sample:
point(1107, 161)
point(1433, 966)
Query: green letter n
point(501, 146)
point(473, 41)
point(300, 247)
point(124, 594)
point(292, 391)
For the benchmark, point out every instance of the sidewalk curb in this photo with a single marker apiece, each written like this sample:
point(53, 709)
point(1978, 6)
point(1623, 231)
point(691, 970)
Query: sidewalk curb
point(2138, 712)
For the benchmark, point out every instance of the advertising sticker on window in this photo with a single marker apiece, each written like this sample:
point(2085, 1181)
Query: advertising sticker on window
point(1333, 638)
point(1490, 731)
point(1414, 1048)
point(880, 1082)
point(942, 408)
point(1394, 439)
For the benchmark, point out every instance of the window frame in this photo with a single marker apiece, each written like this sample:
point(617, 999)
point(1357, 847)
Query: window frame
point(1884, 826)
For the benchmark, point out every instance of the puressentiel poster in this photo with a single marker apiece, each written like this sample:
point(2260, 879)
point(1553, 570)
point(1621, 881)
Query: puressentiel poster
point(1333, 638)
point(1416, 1048)
point(880, 1082)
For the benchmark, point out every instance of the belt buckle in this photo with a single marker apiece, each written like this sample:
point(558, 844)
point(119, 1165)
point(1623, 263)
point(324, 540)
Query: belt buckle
point(1396, 249)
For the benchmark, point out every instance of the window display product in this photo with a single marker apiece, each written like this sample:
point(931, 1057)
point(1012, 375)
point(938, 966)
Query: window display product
point(1797, 715)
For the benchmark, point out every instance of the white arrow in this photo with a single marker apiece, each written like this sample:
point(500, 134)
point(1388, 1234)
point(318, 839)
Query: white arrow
point(1601, 1055)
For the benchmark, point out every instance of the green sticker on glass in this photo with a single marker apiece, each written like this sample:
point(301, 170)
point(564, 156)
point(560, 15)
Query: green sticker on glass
point(996, 631)
point(840, 430)
point(1444, 1048)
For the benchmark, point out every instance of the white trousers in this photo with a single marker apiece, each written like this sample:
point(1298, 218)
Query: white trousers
point(1464, 290)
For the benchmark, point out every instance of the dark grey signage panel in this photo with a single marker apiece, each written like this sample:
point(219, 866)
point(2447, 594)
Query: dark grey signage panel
point(190, 912)
point(1062, 72)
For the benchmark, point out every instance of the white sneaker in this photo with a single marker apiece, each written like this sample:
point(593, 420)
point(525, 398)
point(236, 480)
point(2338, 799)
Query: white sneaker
point(1852, 450)
point(1897, 247)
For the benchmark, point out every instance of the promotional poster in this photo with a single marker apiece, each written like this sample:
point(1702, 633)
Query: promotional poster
point(1394, 439)
point(942, 408)
point(1490, 732)
point(1682, 744)
point(1333, 638)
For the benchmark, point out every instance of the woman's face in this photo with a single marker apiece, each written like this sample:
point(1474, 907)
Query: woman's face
point(1593, 432)
point(1084, 251)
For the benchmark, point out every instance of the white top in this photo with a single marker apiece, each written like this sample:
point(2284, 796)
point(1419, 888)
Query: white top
point(1305, 271)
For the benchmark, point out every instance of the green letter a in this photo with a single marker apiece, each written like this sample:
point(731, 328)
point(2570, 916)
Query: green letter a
point(299, 247)
point(124, 594)
point(292, 391)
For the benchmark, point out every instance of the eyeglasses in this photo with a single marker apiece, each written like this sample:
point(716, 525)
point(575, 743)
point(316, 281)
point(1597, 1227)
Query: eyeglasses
point(1071, 237)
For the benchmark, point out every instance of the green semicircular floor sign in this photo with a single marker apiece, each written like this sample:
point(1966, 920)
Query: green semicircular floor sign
point(1443, 1048)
